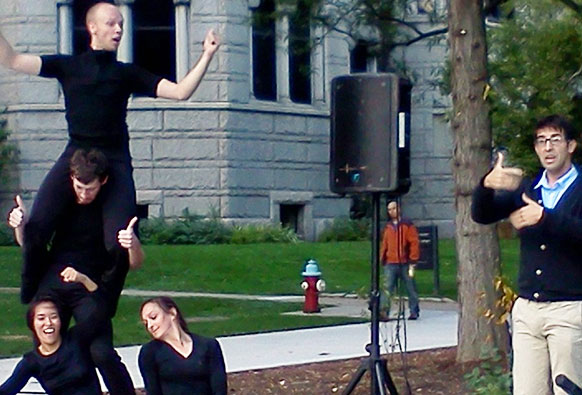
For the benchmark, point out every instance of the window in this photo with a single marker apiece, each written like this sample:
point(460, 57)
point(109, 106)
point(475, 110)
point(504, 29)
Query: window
point(154, 40)
point(143, 211)
point(300, 53)
point(291, 217)
point(359, 58)
point(264, 53)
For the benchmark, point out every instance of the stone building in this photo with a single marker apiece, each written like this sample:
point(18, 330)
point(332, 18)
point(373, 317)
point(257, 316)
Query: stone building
point(252, 144)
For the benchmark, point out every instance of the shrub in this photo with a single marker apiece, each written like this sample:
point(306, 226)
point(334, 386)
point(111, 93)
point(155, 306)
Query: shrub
point(491, 377)
point(188, 229)
point(197, 229)
point(6, 236)
point(269, 233)
point(345, 229)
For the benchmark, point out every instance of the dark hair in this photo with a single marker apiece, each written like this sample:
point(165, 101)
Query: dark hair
point(166, 304)
point(559, 123)
point(32, 311)
point(86, 166)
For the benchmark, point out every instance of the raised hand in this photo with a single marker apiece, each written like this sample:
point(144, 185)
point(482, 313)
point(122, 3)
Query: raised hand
point(503, 178)
point(211, 42)
point(126, 237)
point(528, 215)
point(17, 214)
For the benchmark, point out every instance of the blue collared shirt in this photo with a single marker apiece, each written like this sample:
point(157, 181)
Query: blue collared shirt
point(551, 195)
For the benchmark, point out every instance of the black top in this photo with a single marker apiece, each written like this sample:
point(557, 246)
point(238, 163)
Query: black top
point(166, 372)
point(78, 240)
point(68, 371)
point(97, 88)
point(551, 251)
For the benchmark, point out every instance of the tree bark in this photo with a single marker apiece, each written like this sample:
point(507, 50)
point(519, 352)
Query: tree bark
point(477, 246)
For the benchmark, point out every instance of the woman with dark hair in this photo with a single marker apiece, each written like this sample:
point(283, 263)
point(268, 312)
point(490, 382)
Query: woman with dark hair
point(176, 361)
point(60, 361)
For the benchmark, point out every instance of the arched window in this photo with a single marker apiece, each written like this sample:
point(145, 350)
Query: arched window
point(154, 39)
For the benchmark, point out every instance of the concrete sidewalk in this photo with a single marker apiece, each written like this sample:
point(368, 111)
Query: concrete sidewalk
point(436, 328)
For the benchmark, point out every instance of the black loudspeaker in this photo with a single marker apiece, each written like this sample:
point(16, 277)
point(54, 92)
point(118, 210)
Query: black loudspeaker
point(370, 133)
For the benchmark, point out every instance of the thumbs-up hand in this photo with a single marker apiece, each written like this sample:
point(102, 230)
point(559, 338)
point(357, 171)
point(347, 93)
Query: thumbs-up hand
point(503, 178)
point(528, 215)
point(126, 237)
point(17, 214)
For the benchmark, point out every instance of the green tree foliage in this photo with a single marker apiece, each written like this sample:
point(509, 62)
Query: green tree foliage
point(535, 67)
point(7, 153)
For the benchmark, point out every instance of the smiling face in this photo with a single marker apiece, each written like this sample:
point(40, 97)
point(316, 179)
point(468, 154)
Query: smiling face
point(554, 151)
point(158, 323)
point(47, 325)
point(105, 26)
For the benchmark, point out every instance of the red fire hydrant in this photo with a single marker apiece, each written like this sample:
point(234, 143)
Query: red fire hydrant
point(312, 284)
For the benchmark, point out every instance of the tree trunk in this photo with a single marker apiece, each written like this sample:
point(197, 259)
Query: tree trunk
point(477, 246)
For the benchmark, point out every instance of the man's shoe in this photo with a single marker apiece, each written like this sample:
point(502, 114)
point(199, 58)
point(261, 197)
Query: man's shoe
point(413, 316)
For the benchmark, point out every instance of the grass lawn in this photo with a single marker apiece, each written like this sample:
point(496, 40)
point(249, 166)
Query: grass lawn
point(247, 269)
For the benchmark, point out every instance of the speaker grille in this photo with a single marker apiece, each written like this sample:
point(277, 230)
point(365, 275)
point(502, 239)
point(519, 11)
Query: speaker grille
point(365, 144)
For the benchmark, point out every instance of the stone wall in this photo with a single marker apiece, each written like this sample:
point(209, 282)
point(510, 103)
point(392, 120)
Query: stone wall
point(223, 150)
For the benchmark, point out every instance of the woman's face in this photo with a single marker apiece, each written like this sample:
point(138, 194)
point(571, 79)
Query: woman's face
point(156, 320)
point(47, 324)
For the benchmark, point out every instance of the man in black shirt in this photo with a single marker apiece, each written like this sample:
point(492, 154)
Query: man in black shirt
point(78, 243)
point(96, 88)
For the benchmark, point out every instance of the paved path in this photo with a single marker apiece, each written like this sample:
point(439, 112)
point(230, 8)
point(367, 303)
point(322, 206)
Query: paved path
point(436, 328)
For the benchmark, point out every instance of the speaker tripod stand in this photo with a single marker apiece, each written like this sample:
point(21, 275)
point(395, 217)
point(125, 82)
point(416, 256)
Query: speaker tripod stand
point(381, 382)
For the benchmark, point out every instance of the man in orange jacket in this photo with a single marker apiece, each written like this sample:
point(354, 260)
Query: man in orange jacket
point(399, 253)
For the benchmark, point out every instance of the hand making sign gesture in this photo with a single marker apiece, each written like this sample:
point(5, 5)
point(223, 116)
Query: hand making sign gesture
point(503, 178)
point(528, 215)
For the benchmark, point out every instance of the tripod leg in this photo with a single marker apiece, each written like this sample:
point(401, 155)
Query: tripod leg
point(357, 377)
point(381, 366)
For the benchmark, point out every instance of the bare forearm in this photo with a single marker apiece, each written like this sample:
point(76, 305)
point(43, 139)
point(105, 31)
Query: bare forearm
point(19, 235)
point(136, 255)
point(185, 88)
point(24, 63)
point(88, 283)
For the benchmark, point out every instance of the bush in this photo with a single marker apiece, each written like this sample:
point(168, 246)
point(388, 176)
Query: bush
point(345, 229)
point(6, 236)
point(491, 377)
point(263, 234)
point(197, 229)
point(189, 229)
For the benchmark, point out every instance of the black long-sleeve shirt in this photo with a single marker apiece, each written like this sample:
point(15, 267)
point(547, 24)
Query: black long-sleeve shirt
point(68, 371)
point(551, 250)
point(97, 88)
point(166, 372)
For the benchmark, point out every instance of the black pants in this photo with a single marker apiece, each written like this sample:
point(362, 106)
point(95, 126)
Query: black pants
point(56, 193)
point(88, 309)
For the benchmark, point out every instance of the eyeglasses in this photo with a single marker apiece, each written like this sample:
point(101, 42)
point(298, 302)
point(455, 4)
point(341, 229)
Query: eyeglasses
point(554, 140)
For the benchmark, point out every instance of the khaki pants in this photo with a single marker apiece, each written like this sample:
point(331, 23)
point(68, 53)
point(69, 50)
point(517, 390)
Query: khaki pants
point(547, 341)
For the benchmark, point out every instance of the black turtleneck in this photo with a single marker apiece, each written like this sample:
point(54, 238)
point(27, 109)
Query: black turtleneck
point(97, 88)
